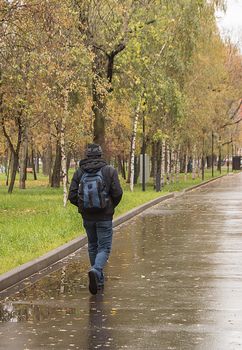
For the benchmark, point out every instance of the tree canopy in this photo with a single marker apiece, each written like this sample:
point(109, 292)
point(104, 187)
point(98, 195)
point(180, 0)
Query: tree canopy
point(76, 71)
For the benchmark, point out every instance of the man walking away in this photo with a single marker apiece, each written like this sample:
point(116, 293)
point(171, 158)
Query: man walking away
point(96, 191)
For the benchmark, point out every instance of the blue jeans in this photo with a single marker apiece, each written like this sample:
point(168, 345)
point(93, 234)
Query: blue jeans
point(99, 234)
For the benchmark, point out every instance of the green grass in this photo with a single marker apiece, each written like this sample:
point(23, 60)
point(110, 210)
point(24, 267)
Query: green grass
point(34, 221)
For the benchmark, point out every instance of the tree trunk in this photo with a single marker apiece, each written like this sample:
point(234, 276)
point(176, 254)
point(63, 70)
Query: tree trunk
point(99, 119)
point(23, 160)
point(219, 167)
point(136, 169)
point(178, 164)
point(99, 91)
point(163, 164)
point(165, 159)
point(47, 160)
point(153, 160)
point(55, 178)
point(14, 172)
point(102, 68)
point(124, 168)
point(68, 160)
point(63, 151)
point(118, 163)
point(33, 164)
point(37, 162)
point(186, 161)
point(76, 160)
point(172, 160)
point(6, 161)
point(194, 162)
point(219, 163)
point(129, 169)
point(15, 152)
point(9, 168)
point(121, 167)
point(133, 145)
point(167, 163)
point(158, 167)
point(68, 163)
point(209, 161)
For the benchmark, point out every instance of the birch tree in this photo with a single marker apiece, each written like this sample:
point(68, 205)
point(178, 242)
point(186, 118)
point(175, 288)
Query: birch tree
point(133, 144)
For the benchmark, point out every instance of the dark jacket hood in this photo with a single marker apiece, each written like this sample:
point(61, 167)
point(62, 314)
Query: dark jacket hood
point(92, 165)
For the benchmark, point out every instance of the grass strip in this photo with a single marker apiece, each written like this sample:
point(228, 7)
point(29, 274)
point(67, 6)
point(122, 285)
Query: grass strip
point(33, 221)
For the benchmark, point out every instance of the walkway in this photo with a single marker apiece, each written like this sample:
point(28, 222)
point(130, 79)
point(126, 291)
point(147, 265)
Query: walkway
point(174, 281)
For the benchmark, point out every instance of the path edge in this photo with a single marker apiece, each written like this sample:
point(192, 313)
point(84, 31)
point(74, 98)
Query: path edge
point(16, 275)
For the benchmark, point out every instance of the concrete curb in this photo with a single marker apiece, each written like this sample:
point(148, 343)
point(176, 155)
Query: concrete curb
point(130, 214)
point(204, 183)
point(16, 275)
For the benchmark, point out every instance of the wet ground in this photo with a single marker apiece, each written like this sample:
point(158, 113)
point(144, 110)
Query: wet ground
point(174, 281)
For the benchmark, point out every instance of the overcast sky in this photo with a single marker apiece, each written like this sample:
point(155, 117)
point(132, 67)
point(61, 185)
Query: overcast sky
point(230, 23)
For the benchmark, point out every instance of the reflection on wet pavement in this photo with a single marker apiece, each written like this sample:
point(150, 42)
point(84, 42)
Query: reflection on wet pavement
point(173, 282)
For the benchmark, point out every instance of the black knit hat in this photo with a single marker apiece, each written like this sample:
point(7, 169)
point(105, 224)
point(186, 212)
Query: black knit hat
point(93, 150)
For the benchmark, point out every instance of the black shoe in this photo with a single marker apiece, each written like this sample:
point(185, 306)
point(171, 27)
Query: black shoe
point(93, 282)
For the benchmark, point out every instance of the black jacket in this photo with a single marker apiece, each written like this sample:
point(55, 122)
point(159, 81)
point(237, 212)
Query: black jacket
point(114, 189)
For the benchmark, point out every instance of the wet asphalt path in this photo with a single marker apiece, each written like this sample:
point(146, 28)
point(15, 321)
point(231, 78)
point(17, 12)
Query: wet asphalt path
point(174, 281)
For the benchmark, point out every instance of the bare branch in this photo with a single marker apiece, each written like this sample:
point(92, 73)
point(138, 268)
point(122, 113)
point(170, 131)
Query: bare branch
point(230, 124)
point(236, 110)
point(232, 117)
point(7, 136)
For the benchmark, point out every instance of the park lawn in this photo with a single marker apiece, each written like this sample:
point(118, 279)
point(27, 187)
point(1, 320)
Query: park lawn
point(33, 221)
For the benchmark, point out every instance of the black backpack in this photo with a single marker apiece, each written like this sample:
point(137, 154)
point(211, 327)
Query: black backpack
point(92, 194)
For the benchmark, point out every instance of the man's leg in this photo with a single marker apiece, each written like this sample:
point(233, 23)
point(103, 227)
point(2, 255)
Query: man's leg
point(90, 227)
point(104, 236)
